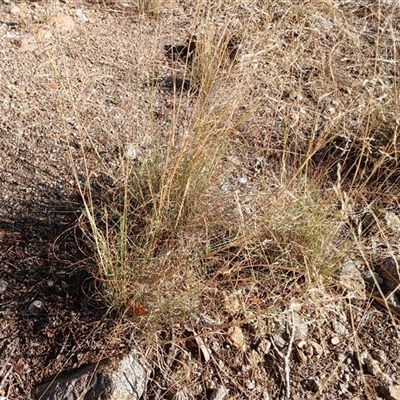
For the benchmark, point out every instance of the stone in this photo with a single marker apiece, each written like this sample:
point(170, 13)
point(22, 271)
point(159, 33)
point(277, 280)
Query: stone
point(130, 151)
point(317, 347)
point(372, 277)
point(389, 272)
point(36, 307)
point(335, 340)
point(122, 380)
point(219, 393)
point(236, 337)
point(339, 328)
point(301, 325)
point(264, 347)
point(351, 280)
point(279, 340)
point(79, 13)
point(3, 286)
point(302, 357)
point(393, 300)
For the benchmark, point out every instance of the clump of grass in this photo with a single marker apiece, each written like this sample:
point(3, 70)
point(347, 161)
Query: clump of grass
point(156, 207)
point(299, 94)
point(155, 203)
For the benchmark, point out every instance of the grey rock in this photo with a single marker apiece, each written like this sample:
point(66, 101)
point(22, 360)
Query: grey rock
point(317, 347)
point(122, 380)
point(219, 393)
point(339, 328)
point(36, 307)
point(351, 280)
point(394, 301)
point(301, 325)
point(389, 272)
point(264, 347)
point(130, 151)
point(372, 277)
point(79, 13)
point(279, 340)
point(3, 286)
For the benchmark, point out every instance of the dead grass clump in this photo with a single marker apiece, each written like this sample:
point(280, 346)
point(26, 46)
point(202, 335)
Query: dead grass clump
point(303, 87)
point(251, 167)
point(143, 228)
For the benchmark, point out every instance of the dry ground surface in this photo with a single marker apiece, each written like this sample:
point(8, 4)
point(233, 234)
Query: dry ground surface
point(248, 293)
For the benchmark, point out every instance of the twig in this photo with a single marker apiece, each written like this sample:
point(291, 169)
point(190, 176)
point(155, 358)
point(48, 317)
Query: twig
point(287, 357)
point(280, 354)
point(4, 379)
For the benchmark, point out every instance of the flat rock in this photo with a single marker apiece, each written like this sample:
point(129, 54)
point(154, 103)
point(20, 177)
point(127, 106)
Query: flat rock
point(122, 380)
point(352, 281)
point(389, 272)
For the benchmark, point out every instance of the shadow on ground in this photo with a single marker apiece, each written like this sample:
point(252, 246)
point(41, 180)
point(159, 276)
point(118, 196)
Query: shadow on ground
point(53, 318)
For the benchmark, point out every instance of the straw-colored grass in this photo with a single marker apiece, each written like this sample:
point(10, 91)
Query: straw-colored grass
point(261, 175)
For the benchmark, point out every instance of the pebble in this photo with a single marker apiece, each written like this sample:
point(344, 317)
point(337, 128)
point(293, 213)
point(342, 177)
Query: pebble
point(317, 347)
point(130, 151)
point(302, 357)
point(3, 286)
point(279, 340)
point(219, 393)
point(339, 328)
point(243, 180)
point(264, 347)
point(335, 340)
point(236, 337)
point(301, 327)
point(79, 13)
point(36, 307)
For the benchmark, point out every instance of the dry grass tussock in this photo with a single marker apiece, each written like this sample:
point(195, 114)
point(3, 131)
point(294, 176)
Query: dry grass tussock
point(256, 182)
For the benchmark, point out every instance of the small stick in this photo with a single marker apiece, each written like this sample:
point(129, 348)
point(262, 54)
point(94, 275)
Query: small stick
point(287, 357)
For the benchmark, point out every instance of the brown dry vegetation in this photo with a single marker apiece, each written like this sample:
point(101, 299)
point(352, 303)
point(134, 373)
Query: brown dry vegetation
point(263, 165)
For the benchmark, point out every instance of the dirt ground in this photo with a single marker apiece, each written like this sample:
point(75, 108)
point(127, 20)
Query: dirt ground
point(51, 317)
